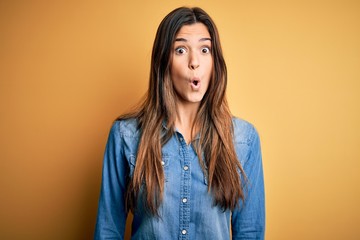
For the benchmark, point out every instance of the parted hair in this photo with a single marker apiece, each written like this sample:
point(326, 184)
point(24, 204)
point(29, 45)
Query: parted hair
point(213, 121)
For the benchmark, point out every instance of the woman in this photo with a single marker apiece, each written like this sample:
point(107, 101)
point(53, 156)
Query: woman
point(181, 163)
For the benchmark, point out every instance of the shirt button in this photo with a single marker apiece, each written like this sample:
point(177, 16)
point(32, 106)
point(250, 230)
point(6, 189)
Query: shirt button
point(186, 168)
point(184, 200)
point(183, 232)
point(162, 163)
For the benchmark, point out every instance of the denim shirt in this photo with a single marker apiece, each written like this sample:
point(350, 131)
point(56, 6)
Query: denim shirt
point(187, 210)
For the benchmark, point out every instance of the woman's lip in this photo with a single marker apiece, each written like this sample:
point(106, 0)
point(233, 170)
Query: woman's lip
point(195, 80)
point(195, 84)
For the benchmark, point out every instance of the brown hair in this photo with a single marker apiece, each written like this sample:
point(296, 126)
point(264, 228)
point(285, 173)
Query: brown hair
point(213, 119)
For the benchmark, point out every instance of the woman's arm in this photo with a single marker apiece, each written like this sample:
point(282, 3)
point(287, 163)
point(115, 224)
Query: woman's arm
point(248, 221)
point(111, 218)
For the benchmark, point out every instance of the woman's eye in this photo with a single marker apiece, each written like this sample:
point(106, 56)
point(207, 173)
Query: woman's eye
point(180, 50)
point(205, 50)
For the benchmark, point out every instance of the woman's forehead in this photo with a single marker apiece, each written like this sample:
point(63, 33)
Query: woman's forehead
point(193, 30)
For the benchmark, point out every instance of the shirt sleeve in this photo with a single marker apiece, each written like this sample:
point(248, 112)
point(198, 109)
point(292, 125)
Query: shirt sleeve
point(248, 220)
point(111, 218)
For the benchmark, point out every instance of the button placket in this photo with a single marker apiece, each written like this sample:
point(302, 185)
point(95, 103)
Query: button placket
point(185, 190)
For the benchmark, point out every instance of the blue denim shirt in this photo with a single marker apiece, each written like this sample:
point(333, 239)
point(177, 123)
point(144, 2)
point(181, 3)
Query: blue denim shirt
point(187, 210)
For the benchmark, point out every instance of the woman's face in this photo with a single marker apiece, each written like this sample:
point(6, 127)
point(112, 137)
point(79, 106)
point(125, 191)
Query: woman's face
point(192, 63)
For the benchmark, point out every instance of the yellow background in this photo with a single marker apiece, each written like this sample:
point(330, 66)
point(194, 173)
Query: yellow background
point(68, 68)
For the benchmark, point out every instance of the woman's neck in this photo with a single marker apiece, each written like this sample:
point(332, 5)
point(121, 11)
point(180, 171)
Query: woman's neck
point(185, 117)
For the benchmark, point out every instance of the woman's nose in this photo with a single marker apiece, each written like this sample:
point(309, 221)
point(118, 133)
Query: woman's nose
point(193, 61)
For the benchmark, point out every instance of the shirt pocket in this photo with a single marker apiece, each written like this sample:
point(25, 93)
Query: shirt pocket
point(164, 163)
point(242, 149)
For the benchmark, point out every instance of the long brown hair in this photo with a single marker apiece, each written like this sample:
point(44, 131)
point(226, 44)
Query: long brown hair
point(214, 119)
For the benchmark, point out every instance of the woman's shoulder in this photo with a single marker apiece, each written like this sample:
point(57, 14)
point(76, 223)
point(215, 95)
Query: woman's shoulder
point(244, 131)
point(127, 127)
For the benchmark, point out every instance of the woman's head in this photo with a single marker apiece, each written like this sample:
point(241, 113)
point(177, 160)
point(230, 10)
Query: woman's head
point(161, 89)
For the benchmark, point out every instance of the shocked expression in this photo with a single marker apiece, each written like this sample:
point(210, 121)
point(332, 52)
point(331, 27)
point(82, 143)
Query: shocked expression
point(192, 63)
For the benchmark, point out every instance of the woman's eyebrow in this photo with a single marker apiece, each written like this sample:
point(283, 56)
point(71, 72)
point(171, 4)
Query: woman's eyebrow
point(185, 40)
point(205, 39)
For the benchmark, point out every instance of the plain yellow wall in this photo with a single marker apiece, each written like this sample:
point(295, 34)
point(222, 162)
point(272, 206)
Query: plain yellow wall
point(68, 68)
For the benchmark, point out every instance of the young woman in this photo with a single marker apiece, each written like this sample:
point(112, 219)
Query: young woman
point(181, 163)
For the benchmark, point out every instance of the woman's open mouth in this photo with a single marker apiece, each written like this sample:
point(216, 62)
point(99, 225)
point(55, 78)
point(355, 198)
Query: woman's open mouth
point(195, 84)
